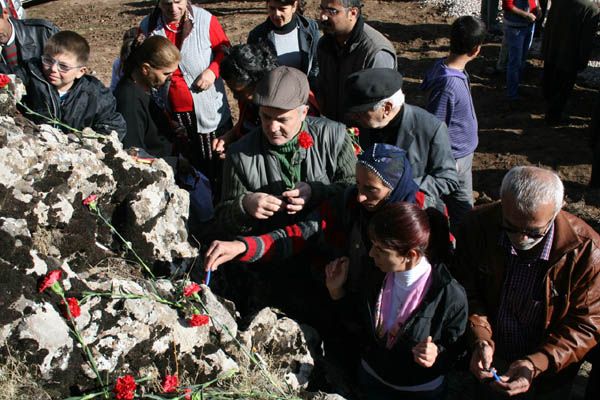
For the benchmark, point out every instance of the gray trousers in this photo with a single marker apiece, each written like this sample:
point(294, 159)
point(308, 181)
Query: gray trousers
point(460, 202)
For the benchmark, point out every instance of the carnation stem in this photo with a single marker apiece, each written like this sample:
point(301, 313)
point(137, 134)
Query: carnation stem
point(125, 242)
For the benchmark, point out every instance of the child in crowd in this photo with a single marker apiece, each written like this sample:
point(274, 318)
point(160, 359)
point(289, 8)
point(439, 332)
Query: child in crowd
point(59, 90)
point(450, 100)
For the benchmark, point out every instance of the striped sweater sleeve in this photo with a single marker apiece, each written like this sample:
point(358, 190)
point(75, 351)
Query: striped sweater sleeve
point(288, 241)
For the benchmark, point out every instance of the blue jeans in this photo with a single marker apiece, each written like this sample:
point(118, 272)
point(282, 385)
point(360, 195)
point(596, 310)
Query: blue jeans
point(518, 42)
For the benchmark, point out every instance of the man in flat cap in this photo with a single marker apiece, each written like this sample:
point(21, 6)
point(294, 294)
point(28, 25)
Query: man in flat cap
point(376, 102)
point(347, 45)
point(288, 165)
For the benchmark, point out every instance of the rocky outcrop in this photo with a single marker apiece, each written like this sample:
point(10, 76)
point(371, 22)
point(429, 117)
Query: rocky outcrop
point(128, 323)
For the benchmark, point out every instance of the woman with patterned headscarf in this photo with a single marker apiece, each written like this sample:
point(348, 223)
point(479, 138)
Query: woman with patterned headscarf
point(383, 176)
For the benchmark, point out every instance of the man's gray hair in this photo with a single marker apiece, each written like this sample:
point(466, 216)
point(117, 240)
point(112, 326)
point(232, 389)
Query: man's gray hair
point(531, 187)
point(397, 100)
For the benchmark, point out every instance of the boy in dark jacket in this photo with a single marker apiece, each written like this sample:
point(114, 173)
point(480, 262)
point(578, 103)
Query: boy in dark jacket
point(59, 89)
point(450, 101)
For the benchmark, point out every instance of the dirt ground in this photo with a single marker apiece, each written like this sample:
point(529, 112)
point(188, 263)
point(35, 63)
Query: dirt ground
point(507, 137)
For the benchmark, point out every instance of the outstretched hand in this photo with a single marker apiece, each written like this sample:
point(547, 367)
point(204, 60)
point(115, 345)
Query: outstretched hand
point(220, 252)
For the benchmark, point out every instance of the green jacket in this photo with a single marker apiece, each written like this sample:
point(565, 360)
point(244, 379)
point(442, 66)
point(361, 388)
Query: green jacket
point(328, 166)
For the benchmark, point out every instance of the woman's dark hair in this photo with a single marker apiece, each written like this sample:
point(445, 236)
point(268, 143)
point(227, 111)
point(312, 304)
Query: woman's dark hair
point(129, 37)
point(157, 51)
point(401, 227)
point(246, 64)
point(299, 9)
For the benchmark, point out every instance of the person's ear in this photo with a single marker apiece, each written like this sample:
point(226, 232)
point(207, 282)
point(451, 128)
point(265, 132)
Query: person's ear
point(81, 72)
point(353, 12)
point(387, 108)
point(413, 255)
point(5, 13)
point(303, 113)
point(145, 69)
point(475, 52)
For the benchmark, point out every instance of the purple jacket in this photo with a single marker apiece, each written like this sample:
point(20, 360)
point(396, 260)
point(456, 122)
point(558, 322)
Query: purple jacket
point(451, 102)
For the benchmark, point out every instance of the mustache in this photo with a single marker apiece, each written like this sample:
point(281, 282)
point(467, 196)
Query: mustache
point(324, 24)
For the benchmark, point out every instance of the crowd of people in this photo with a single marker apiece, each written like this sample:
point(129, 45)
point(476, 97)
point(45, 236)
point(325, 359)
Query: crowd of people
point(354, 208)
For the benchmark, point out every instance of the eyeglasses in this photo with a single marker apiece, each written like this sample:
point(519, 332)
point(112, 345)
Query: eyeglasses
point(332, 12)
point(530, 233)
point(50, 62)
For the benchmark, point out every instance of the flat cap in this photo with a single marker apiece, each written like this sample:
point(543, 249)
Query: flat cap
point(284, 87)
point(366, 88)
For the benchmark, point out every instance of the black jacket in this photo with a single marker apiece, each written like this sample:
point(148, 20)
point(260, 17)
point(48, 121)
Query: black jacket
point(427, 144)
point(31, 36)
point(87, 104)
point(442, 315)
point(147, 126)
point(337, 63)
point(308, 35)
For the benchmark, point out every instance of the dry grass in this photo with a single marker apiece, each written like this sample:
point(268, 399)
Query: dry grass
point(16, 382)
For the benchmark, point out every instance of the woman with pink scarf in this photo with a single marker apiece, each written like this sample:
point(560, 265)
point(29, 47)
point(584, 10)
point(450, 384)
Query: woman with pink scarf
point(411, 316)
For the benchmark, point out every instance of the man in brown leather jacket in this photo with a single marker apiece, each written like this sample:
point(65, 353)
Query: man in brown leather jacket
point(532, 277)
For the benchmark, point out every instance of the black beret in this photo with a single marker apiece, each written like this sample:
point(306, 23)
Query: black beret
point(366, 88)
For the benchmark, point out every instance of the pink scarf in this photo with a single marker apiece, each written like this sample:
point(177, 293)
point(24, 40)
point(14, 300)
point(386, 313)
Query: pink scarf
point(406, 309)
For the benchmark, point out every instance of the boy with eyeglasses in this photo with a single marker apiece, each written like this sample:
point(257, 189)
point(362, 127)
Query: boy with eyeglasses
point(59, 91)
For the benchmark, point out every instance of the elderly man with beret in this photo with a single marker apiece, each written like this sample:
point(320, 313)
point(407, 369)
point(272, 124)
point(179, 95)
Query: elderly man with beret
point(376, 102)
point(289, 164)
point(532, 276)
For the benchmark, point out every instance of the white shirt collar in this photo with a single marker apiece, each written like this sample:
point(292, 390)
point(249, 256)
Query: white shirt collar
point(12, 36)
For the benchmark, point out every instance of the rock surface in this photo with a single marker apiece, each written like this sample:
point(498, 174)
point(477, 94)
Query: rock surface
point(129, 323)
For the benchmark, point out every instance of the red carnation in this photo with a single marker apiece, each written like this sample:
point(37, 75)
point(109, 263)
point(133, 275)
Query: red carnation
point(170, 383)
point(357, 149)
point(354, 131)
point(91, 201)
point(198, 320)
point(305, 140)
point(4, 80)
point(191, 289)
point(73, 308)
point(125, 388)
point(188, 394)
point(51, 280)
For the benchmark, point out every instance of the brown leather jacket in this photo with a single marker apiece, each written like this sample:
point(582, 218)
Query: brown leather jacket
point(572, 325)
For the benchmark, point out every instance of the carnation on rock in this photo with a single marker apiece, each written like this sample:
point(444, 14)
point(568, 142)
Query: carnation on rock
point(198, 320)
point(73, 308)
point(191, 289)
point(125, 388)
point(170, 383)
point(51, 281)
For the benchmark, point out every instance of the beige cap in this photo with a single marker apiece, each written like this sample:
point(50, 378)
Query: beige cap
point(284, 87)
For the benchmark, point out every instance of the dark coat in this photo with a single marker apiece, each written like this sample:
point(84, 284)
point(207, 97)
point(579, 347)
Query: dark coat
point(147, 124)
point(336, 64)
point(308, 35)
point(569, 34)
point(88, 103)
point(426, 142)
point(31, 36)
point(441, 315)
